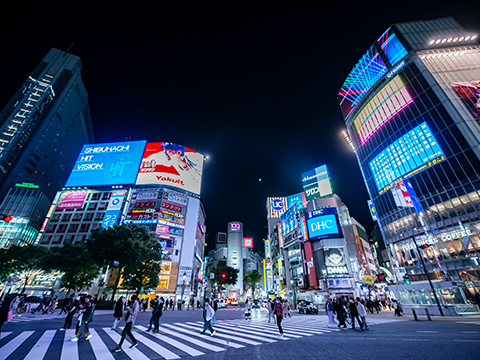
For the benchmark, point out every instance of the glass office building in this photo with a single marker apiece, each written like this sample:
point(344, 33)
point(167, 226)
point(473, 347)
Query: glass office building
point(411, 106)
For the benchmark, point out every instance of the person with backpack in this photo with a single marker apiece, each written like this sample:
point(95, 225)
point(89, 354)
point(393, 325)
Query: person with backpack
point(208, 314)
point(248, 309)
point(278, 311)
point(130, 317)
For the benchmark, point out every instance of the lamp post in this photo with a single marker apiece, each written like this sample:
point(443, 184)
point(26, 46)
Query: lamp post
point(294, 283)
point(183, 290)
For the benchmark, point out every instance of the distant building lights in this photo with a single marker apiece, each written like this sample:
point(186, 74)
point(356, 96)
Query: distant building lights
point(444, 41)
point(461, 39)
point(449, 40)
point(438, 41)
point(349, 141)
point(455, 39)
point(467, 38)
point(432, 42)
point(473, 37)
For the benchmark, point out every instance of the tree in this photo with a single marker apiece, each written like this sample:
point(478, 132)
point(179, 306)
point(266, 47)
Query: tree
point(252, 279)
point(134, 248)
point(224, 275)
point(74, 260)
point(24, 261)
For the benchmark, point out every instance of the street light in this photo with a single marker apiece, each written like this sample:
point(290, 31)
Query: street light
point(294, 294)
point(183, 290)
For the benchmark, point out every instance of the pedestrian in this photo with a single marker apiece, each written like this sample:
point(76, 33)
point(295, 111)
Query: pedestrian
point(278, 311)
point(248, 309)
point(5, 310)
point(53, 304)
point(330, 310)
point(171, 304)
point(215, 308)
point(286, 308)
point(86, 319)
point(208, 314)
point(118, 311)
point(153, 305)
point(157, 314)
point(145, 304)
point(362, 313)
point(21, 305)
point(271, 307)
point(130, 317)
point(354, 314)
point(67, 303)
point(192, 303)
point(340, 311)
point(70, 312)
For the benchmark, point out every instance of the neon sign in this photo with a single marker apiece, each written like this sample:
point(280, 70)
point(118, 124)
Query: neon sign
point(235, 226)
point(385, 104)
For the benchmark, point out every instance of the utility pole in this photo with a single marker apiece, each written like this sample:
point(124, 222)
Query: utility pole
point(428, 277)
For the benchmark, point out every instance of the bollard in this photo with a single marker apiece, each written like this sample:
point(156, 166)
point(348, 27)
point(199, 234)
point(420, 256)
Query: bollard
point(28, 308)
point(428, 315)
point(414, 314)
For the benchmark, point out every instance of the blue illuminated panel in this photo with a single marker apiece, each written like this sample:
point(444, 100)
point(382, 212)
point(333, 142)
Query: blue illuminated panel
point(413, 152)
point(364, 75)
point(392, 47)
point(323, 226)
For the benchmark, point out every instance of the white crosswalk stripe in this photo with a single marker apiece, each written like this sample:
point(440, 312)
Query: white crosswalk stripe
point(174, 340)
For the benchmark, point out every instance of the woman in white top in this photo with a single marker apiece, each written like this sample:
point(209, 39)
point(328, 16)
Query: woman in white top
point(248, 309)
point(362, 313)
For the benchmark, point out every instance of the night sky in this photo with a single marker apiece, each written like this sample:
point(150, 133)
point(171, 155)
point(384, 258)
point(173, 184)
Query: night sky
point(254, 88)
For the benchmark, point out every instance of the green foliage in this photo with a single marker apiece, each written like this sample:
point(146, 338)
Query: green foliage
point(105, 305)
point(224, 275)
point(136, 250)
point(252, 278)
point(74, 260)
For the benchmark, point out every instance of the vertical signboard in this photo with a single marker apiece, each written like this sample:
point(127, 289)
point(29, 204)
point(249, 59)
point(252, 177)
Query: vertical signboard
point(280, 235)
point(113, 209)
point(373, 212)
point(316, 183)
point(267, 249)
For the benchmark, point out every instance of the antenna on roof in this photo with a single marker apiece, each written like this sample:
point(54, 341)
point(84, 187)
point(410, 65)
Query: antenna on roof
point(66, 52)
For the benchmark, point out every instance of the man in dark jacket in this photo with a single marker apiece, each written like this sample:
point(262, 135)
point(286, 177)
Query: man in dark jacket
point(153, 305)
point(118, 312)
point(279, 314)
point(5, 308)
point(70, 312)
point(340, 311)
point(157, 314)
point(354, 314)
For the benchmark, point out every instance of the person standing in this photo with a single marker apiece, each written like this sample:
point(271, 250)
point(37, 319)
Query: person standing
point(340, 311)
point(278, 312)
point(286, 308)
point(171, 304)
point(67, 304)
point(330, 310)
point(248, 309)
point(354, 314)
point(118, 311)
point(86, 319)
point(362, 313)
point(70, 312)
point(153, 305)
point(215, 308)
point(271, 308)
point(208, 314)
point(130, 317)
point(157, 314)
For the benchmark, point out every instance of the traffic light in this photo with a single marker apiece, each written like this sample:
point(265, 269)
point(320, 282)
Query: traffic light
point(224, 276)
point(406, 278)
point(5, 218)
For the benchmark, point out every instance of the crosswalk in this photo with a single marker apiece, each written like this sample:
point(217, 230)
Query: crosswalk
point(174, 341)
point(40, 317)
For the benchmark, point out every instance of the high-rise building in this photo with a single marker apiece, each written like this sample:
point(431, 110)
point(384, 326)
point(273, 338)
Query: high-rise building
point(411, 108)
point(43, 127)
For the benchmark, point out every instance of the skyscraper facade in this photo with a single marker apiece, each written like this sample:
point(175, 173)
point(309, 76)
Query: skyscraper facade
point(43, 127)
point(411, 108)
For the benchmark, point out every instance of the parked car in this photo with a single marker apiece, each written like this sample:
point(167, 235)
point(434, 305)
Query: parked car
point(222, 304)
point(234, 302)
point(256, 304)
point(307, 307)
point(33, 299)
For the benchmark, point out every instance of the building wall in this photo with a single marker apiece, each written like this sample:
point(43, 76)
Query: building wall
point(235, 253)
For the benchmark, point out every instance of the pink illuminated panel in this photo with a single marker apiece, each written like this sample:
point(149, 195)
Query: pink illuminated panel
point(384, 105)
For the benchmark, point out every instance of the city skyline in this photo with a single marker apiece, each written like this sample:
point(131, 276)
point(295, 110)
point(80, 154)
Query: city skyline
point(258, 98)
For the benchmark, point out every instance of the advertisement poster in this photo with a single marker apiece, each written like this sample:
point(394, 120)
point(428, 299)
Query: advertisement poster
point(469, 92)
point(107, 164)
point(335, 261)
point(316, 183)
point(72, 200)
point(171, 164)
point(113, 209)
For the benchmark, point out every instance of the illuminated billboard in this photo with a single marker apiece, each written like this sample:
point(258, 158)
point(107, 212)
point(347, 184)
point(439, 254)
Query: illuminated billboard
point(390, 100)
point(367, 71)
point(413, 152)
point(72, 200)
point(113, 209)
point(323, 226)
point(469, 92)
point(288, 220)
point(316, 183)
point(170, 164)
point(392, 47)
point(247, 242)
point(296, 199)
point(276, 206)
point(107, 164)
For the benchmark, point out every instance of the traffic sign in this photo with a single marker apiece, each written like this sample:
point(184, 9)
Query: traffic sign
point(14, 280)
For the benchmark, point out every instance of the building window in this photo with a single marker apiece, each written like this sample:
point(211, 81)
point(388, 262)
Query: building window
point(77, 217)
point(92, 206)
point(99, 216)
point(72, 227)
point(57, 239)
point(46, 239)
point(50, 228)
point(106, 196)
point(96, 196)
point(95, 226)
point(61, 228)
point(102, 205)
point(55, 217)
point(68, 239)
point(84, 227)
point(66, 217)
point(88, 217)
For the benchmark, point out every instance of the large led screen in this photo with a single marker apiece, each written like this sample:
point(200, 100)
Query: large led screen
point(413, 152)
point(288, 220)
point(323, 226)
point(171, 164)
point(392, 47)
point(107, 164)
point(384, 105)
point(363, 76)
point(469, 92)
point(316, 183)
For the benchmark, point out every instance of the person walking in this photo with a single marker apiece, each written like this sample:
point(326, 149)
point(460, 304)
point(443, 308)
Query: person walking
point(171, 304)
point(153, 305)
point(286, 308)
point(278, 311)
point(362, 313)
point(86, 319)
point(271, 308)
point(248, 309)
point(396, 307)
point(4, 310)
point(70, 312)
point(118, 311)
point(340, 311)
point(354, 314)
point(157, 314)
point(208, 314)
point(130, 317)
point(330, 310)
point(67, 304)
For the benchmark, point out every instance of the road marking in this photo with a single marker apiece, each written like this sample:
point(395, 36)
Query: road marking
point(264, 330)
point(69, 348)
point(245, 329)
point(39, 350)
point(133, 353)
point(13, 344)
point(426, 331)
point(160, 350)
point(212, 339)
point(193, 341)
point(415, 339)
point(5, 334)
point(232, 330)
point(175, 343)
point(467, 340)
point(219, 334)
point(469, 332)
point(99, 348)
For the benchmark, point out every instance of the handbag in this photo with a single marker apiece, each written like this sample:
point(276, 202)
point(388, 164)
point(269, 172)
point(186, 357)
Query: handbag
point(9, 315)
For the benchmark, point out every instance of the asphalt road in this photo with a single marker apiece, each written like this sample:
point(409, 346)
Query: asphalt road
point(306, 337)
